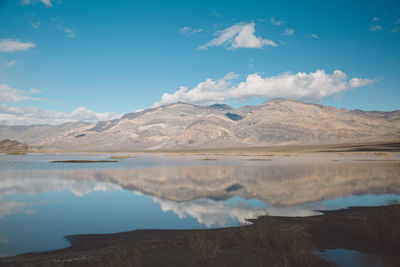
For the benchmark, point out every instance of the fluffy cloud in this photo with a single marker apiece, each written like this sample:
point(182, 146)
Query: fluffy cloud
point(288, 32)
point(70, 33)
point(276, 22)
point(8, 45)
point(207, 92)
point(29, 116)
point(189, 31)
point(218, 213)
point(240, 35)
point(11, 63)
point(210, 212)
point(44, 2)
point(312, 87)
point(375, 28)
point(395, 29)
point(9, 94)
point(313, 35)
point(35, 24)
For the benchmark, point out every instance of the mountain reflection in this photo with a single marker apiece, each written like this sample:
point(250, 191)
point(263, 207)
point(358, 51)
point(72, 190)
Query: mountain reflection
point(197, 191)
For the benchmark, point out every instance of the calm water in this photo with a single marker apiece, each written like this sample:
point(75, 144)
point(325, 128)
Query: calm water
point(41, 202)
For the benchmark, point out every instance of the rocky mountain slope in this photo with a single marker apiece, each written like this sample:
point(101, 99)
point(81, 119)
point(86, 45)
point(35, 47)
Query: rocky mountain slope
point(8, 146)
point(181, 125)
point(35, 134)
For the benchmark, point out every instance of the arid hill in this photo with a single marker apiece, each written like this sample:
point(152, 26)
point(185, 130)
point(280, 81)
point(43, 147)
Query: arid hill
point(10, 146)
point(183, 126)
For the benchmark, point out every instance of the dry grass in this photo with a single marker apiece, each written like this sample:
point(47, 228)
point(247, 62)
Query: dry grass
point(121, 258)
point(204, 248)
point(380, 154)
point(289, 244)
point(171, 155)
point(82, 161)
point(16, 152)
point(209, 159)
point(383, 227)
point(123, 157)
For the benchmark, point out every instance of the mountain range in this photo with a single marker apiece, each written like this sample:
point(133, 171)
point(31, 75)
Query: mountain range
point(188, 126)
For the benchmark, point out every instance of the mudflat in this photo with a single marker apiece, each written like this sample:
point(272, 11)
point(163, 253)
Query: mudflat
point(82, 161)
point(276, 241)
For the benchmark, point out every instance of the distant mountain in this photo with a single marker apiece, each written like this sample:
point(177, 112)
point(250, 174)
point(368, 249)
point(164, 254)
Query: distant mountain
point(36, 134)
point(8, 145)
point(220, 106)
point(181, 125)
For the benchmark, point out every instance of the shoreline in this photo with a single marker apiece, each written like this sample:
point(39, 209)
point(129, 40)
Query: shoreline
point(354, 147)
point(345, 228)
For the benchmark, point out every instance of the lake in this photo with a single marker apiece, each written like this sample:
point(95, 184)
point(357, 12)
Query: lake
point(42, 202)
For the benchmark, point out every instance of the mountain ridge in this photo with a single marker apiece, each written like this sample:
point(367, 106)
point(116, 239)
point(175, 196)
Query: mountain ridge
point(182, 125)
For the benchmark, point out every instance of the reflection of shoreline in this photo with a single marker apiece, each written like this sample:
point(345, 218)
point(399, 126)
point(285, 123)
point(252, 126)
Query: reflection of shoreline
point(277, 185)
point(198, 191)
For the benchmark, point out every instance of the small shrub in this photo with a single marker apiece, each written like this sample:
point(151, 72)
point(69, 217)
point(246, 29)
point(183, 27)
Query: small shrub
point(289, 243)
point(204, 248)
point(384, 226)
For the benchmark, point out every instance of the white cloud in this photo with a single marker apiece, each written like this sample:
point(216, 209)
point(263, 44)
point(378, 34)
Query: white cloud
point(70, 33)
point(207, 92)
point(395, 29)
point(11, 63)
point(251, 63)
point(288, 32)
point(84, 114)
point(218, 213)
point(9, 94)
point(313, 35)
point(276, 22)
point(357, 82)
point(10, 207)
point(375, 28)
point(29, 116)
point(240, 35)
point(311, 87)
point(35, 24)
point(8, 45)
point(189, 31)
point(210, 212)
point(44, 2)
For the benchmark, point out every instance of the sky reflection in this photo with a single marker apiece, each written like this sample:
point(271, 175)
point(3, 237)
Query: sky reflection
point(39, 206)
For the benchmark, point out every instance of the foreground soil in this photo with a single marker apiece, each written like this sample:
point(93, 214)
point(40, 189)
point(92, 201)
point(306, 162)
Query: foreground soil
point(269, 241)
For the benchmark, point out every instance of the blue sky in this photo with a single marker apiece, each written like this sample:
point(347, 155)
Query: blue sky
point(69, 60)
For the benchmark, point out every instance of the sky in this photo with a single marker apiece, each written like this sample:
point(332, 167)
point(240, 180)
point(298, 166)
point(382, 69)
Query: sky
point(70, 60)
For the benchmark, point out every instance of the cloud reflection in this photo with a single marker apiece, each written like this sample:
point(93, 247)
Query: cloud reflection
point(204, 192)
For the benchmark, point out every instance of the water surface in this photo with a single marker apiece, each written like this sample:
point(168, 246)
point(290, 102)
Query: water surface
point(41, 202)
